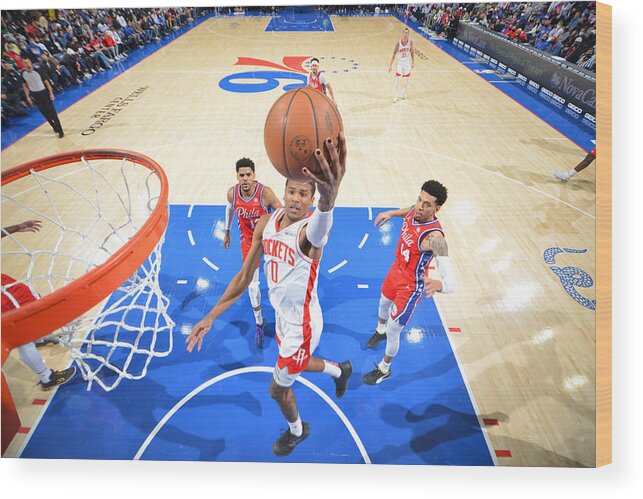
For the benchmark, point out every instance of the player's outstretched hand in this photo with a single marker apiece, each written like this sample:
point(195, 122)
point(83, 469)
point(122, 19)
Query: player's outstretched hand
point(333, 173)
point(198, 332)
point(382, 218)
point(29, 226)
point(431, 286)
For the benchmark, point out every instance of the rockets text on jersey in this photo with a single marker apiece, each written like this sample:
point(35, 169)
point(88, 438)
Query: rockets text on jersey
point(404, 51)
point(291, 275)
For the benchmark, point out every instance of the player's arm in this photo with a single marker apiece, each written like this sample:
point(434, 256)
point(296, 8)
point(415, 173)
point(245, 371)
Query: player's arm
point(314, 235)
point(390, 65)
point(237, 286)
point(27, 226)
point(385, 216)
point(270, 199)
point(229, 215)
point(330, 91)
point(436, 243)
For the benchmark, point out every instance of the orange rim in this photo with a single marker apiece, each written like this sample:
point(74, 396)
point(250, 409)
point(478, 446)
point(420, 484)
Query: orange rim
point(51, 312)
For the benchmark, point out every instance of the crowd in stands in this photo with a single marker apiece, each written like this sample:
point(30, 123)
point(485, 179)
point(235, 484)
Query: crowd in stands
point(69, 46)
point(563, 29)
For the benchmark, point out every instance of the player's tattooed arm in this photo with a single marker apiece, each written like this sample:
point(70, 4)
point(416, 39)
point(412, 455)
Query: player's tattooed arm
point(436, 243)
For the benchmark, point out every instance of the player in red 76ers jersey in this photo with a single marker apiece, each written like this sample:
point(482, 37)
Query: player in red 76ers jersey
point(421, 239)
point(318, 80)
point(291, 240)
point(249, 200)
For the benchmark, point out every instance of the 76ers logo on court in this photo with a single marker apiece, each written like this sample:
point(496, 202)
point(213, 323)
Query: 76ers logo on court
point(263, 81)
point(571, 277)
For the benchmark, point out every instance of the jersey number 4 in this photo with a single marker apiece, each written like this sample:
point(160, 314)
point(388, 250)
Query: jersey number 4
point(406, 253)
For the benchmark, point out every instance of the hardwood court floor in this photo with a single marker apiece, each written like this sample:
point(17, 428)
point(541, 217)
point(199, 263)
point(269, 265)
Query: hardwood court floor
point(524, 345)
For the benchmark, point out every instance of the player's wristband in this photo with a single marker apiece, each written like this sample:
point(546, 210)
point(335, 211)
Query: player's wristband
point(229, 215)
point(319, 227)
point(445, 267)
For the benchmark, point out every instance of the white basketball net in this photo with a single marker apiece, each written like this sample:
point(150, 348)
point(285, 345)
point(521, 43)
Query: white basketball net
point(81, 229)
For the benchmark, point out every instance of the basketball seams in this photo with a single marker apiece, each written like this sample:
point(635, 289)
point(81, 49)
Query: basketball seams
point(296, 138)
point(339, 118)
point(312, 107)
point(284, 130)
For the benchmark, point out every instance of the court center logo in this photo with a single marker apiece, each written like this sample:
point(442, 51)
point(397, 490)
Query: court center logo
point(291, 72)
point(571, 277)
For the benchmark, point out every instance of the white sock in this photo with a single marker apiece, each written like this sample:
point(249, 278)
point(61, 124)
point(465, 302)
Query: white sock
point(32, 358)
point(296, 428)
point(405, 82)
point(572, 172)
point(332, 369)
point(384, 366)
point(397, 86)
point(258, 317)
point(381, 328)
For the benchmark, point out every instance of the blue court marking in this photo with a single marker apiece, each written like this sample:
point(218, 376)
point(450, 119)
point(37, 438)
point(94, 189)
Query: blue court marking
point(300, 19)
point(582, 135)
point(421, 415)
point(18, 127)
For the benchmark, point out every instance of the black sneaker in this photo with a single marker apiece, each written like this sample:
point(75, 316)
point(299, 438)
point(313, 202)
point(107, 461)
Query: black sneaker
point(287, 441)
point(375, 340)
point(58, 378)
point(44, 342)
point(376, 376)
point(341, 383)
point(61, 134)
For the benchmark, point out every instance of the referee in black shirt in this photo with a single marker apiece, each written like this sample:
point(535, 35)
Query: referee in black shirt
point(36, 85)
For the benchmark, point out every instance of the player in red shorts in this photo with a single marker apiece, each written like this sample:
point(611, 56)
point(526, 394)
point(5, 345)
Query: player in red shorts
point(421, 239)
point(249, 200)
point(16, 294)
point(565, 176)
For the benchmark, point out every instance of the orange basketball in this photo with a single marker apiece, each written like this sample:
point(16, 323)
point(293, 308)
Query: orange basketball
point(297, 125)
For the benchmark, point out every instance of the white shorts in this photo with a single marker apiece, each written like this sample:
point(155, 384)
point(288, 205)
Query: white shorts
point(293, 358)
point(403, 69)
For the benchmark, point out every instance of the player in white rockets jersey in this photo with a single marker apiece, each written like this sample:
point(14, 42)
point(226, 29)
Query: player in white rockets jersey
point(403, 51)
point(291, 241)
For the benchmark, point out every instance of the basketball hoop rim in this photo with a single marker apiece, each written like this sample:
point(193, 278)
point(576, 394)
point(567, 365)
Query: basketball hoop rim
point(51, 312)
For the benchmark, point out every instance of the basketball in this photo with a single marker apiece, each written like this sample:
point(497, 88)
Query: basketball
point(297, 124)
